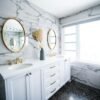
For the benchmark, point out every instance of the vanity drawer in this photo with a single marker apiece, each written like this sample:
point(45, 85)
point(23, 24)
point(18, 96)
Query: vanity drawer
point(51, 67)
point(52, 89)
point(51, 71)
point(50, 75)
point(50, 81)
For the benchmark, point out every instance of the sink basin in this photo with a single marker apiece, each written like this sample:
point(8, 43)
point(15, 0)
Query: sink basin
point(19, 66)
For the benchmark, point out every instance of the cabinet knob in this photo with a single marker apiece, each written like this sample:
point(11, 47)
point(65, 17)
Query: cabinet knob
point(27, 74)
point(30, 73)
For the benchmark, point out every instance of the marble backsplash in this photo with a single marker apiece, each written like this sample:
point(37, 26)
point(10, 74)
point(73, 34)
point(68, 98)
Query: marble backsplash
point(32, 18)
point(86, 73)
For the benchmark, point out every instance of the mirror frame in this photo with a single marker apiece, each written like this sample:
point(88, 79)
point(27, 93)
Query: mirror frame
point(2, 36)
point(48, 39)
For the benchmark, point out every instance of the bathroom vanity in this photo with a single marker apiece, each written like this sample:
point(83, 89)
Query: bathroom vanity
point(54, 76)
point(37, 81)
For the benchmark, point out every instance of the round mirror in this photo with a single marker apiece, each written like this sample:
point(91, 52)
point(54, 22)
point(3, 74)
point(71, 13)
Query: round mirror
point(51, 39)
point(13, 35)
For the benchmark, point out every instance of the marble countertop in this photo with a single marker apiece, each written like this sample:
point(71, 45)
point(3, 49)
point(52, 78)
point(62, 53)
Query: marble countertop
point(7, 72)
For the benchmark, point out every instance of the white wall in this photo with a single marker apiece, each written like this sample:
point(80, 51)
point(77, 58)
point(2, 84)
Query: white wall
point(85, 73)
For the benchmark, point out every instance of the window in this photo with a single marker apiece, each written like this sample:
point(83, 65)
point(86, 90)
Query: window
point(70, 42)
point(82, 42)
point(90, 42)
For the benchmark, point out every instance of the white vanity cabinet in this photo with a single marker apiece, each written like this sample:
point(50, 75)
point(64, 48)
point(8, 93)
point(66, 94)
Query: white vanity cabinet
point(50, 80)
point(35, 85)
point(54, 76)
point(39, 82)
point(25, 86)
point(64, 67)
point(62, 72)
point(17, 87)
point(67, 71)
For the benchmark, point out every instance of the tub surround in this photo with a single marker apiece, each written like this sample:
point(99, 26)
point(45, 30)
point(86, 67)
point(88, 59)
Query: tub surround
point(86, 73)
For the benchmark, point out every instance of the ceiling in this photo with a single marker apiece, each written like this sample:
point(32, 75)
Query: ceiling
point(62, 8)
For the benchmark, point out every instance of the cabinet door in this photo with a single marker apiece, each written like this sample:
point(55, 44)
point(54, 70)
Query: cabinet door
point(67, 71)
point(62, 72)
point(35, 85)
point(17, 87)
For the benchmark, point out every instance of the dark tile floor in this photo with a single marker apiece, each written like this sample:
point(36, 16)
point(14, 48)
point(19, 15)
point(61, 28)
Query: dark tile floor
point(76, 91)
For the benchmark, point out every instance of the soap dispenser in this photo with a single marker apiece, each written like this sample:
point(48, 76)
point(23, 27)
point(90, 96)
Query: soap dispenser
point(42, 54)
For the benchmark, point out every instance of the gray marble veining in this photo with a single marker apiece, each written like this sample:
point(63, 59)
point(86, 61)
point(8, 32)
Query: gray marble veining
point(86, 73)
point(32, 18)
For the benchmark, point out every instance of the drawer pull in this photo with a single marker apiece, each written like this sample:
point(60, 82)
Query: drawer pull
point(52, 67)
point(52, 75)
point(53, 83)
point(53, 90)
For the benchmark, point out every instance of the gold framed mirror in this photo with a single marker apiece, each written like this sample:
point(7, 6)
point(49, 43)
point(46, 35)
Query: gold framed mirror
point(51, 39)
point(13, 35)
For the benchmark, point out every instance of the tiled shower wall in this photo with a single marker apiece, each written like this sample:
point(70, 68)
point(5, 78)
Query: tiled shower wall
point(32, 18)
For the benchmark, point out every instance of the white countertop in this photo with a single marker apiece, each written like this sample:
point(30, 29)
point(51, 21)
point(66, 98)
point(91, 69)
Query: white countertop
point(6, 72)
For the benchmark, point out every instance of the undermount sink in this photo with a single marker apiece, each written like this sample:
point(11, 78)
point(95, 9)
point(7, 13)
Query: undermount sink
point(19, 66)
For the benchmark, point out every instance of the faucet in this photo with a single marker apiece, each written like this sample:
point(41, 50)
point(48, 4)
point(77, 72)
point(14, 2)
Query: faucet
point(15, 61)
point(18, 60)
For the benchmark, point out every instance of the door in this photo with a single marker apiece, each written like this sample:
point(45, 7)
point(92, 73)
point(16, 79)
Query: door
point(62, 72)
point(67, 71)
point(17, 87)
point(35, 85)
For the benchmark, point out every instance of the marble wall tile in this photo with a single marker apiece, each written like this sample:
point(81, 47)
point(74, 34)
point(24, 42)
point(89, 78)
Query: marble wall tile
point(2, 20)
point(86, 73)
point(7, 9)
point(32, 18)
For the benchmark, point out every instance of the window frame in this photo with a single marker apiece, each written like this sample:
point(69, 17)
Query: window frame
point(77, 37)
point(77, 40)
